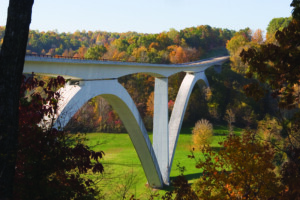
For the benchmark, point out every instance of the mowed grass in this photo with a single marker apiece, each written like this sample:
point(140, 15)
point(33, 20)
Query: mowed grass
point(124, 172)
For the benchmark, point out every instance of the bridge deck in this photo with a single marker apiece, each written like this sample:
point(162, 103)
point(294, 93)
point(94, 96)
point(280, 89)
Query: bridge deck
point(98, 69)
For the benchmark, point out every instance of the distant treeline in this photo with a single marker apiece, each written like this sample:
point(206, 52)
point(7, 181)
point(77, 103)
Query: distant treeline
point(166, 47)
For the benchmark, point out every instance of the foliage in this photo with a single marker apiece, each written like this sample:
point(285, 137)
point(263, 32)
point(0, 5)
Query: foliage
point(95, 52)
point(269, 128)
point(242, 40)
point(202, 133)
point(276, 24)
point(131, 46)
point(182, 190)
point(50, 161)
point(290, 174)
point(296, 10)
point(278, 66)
point(242, 169)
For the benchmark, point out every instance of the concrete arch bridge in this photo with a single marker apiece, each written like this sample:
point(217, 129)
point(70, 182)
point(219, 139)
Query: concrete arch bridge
point(90, 78)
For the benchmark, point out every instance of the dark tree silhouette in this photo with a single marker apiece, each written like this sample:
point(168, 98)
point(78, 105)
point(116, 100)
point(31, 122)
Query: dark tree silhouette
point(12, 57)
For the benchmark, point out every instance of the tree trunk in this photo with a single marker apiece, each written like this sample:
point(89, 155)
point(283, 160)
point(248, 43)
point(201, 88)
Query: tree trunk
point(12, 57)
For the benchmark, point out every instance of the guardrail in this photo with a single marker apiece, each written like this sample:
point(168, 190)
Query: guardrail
point(80, 58)
point(64, 57)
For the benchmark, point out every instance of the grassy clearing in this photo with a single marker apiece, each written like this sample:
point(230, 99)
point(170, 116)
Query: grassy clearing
point(123, 170)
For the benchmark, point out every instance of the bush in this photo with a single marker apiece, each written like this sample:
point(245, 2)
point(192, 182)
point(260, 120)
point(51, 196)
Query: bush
point(202, 133)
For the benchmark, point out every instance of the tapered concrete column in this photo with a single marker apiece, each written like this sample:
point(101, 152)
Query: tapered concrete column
point(161, 127)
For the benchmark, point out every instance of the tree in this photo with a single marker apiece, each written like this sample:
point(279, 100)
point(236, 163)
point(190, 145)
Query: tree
point(296, 10)
point(202, 133)
point(274, 25)
point(177, 54)
point(49, 161)
point(257, 36)
point(95, 52)
point(276, 65)
point(242, 169)
point(11, 67)
point(277, 69)
point(230, 118)
point(235, 46)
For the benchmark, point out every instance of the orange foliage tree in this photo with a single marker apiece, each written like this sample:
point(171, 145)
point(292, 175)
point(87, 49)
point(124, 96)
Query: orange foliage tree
point(242, 169)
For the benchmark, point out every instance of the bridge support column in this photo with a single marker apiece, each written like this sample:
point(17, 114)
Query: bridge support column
point(160, 127)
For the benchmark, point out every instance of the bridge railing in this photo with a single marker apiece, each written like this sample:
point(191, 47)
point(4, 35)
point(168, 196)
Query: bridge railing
point(75, 58)
point(103, 59)
point(64, 57)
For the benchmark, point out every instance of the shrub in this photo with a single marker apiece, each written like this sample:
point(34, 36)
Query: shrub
point(202, 133)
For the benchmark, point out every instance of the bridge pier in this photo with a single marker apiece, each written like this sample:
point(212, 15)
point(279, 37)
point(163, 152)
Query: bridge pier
point(161, 127)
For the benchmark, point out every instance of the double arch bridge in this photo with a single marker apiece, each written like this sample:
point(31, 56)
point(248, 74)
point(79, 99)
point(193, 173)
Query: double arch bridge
point(94, 78)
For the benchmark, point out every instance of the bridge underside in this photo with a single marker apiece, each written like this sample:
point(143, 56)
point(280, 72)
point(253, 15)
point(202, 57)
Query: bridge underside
point(156, 159)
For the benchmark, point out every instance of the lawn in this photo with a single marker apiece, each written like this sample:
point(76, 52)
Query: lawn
point(123, 171)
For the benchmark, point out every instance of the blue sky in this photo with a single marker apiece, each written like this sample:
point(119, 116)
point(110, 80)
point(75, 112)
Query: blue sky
point(151, 16)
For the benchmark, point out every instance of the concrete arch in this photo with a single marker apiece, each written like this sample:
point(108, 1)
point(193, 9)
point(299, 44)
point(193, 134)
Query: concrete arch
point(121, 101)
point(179, 109)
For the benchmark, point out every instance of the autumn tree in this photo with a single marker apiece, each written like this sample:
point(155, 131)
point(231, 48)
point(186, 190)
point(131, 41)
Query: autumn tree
point(150, 104)
point(49, 161)
point(202, 133)
point(237, 43)
point(11, 67)
point(177, 54)
point(276, 67)
point(242, 169)
point(257, 36)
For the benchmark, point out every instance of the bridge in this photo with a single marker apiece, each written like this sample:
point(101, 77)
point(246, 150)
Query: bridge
point(90, 78)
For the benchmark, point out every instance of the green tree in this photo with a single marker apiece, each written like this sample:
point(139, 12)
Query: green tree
point(277, 24)
point(296, 10)
point(95, 52)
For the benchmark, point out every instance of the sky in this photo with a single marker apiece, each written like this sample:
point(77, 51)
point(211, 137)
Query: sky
point(151, 16)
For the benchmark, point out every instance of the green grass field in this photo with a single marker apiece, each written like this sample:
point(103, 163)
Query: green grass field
point(123, 171)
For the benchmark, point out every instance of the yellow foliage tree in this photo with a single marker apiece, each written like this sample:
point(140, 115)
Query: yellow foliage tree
point(202, 133)
point(242, 169)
